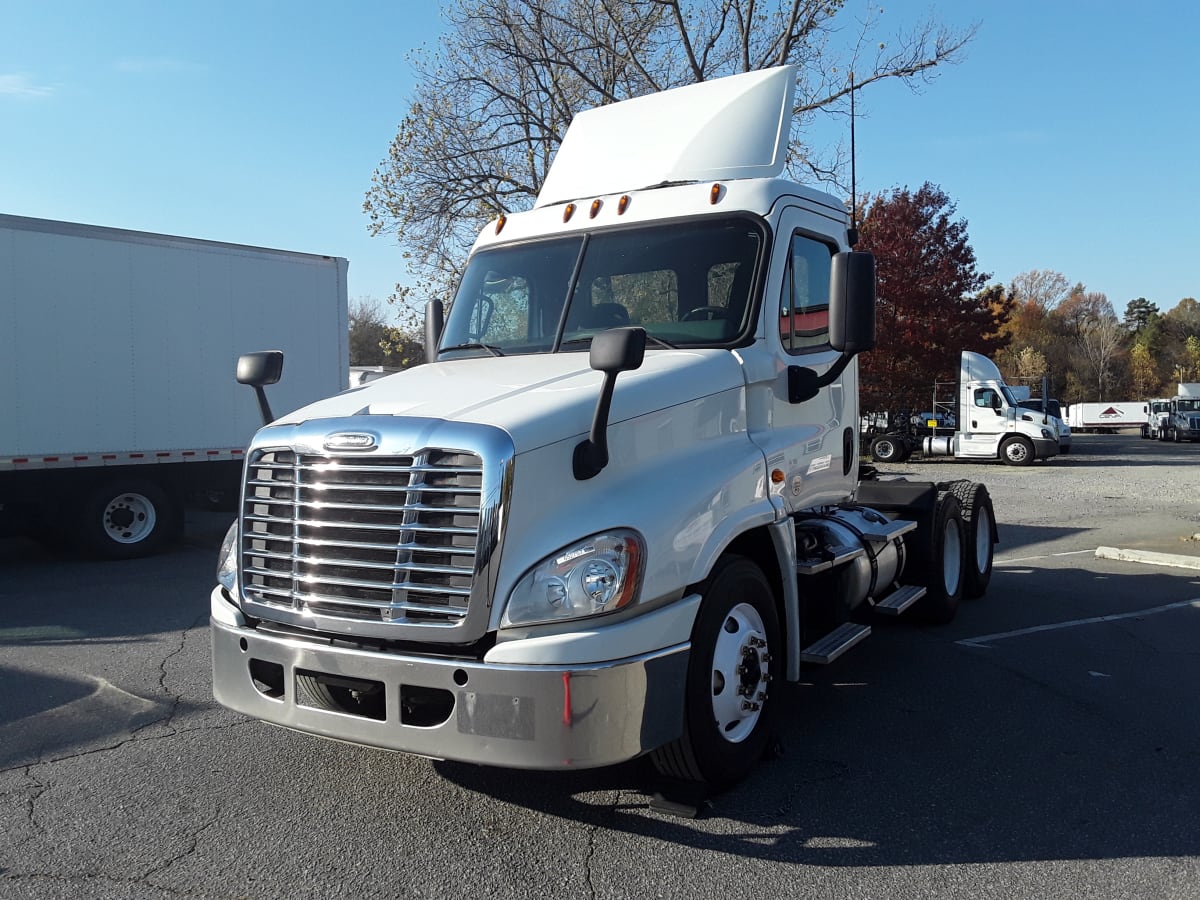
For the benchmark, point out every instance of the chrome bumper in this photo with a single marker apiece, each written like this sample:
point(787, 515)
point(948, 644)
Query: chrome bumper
point(519, 716)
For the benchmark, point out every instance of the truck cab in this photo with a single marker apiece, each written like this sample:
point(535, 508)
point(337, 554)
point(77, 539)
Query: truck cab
point(621, 504)
point(989, 421)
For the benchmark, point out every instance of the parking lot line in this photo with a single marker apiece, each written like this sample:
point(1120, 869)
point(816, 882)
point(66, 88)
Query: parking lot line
point(984, 640)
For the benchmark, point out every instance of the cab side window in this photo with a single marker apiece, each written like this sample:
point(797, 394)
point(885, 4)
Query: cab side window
point(804, 304)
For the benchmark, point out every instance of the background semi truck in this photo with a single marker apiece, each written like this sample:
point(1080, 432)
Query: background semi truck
point(976, 417)
point(621, 504)
point(115, 352)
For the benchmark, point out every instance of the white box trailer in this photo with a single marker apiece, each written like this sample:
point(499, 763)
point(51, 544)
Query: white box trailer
point(116, 349)
point(1105, 418)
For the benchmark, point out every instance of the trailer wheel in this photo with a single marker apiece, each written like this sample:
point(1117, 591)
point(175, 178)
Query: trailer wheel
point(979, 519)
point(126, 519)
point(736, 659)
point(887, 448)
point(1017, 451)
point(943, 574)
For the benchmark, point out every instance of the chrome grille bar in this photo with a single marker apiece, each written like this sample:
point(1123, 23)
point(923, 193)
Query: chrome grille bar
point(362, 557)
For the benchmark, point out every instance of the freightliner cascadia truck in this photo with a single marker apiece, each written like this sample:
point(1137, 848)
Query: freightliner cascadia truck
point(620, 506)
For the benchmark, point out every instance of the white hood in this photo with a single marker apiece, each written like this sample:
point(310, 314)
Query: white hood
point(537, 400)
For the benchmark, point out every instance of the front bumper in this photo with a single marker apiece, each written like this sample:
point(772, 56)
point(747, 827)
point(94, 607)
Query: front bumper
point(519, 716)
point(1044, 448)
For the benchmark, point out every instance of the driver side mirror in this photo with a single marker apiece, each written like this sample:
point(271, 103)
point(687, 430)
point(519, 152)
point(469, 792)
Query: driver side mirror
point(852, 302)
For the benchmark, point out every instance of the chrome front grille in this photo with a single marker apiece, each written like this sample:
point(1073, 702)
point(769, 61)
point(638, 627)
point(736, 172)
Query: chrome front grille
point(352, 540)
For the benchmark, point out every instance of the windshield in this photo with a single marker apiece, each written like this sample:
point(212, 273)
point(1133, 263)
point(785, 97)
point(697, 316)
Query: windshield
point(1187, 405)
point(688, 284)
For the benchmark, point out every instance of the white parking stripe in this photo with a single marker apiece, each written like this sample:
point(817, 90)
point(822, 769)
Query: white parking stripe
point(1005, 562)
point(984, 640)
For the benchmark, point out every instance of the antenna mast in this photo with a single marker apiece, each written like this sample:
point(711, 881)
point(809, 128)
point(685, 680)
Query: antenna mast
point(852, 232)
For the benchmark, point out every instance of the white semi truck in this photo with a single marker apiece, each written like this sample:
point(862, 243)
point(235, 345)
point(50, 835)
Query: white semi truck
point(1158, 417)
point(115, 352)
point(988, 422)
point(1183, 414)
point(621, 504)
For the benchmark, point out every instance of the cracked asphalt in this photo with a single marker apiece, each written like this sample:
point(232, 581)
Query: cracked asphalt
point(1044, 744)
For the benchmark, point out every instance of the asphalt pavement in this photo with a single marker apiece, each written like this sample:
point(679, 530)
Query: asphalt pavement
point(1044, 744)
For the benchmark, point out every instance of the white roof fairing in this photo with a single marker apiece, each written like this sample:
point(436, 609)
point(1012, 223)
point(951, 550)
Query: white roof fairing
point(720, 130)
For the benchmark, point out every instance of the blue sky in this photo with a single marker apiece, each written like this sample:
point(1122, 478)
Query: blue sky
point(1068, 137)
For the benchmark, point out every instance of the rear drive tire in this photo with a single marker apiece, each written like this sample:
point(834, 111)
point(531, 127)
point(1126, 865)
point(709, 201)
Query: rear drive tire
point(943, 574)
point(979, 520)
point(127, 518)
point(733, 671)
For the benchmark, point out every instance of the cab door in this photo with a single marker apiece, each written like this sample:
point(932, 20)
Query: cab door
point(811, 447)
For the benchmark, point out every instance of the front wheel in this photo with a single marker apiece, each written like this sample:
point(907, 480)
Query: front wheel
point(887, 448)
point(734, 669)
point(1017, 451)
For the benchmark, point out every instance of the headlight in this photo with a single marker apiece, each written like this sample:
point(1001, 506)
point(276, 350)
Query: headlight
point(227, 560)
point(596, 575)
point(1047, 434)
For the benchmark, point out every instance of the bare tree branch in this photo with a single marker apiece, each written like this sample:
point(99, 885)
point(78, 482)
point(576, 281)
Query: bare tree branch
point(494, 98)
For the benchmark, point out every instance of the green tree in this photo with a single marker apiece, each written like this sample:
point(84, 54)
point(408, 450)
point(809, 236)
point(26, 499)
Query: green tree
point(376, 342)
point(494, 97)
point(1146, 380)
point(1138, 314)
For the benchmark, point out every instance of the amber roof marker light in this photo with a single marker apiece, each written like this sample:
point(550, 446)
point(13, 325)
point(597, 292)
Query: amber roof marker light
point(596, 204)
point(568, 211)
point(500, 223)
point(622, 204)
point(714, 194)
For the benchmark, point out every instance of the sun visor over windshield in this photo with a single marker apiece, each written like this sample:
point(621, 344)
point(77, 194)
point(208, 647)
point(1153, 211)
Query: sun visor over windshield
point(734, 127)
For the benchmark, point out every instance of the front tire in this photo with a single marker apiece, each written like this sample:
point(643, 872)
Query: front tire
point(1017, 451)
point(886, 448)
point(735, 664)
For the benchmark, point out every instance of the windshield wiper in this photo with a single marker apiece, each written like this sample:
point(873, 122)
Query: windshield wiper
point(490, 348)
point(649, 338)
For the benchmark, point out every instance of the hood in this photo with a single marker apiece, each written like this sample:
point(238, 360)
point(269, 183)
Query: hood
point(538, 399)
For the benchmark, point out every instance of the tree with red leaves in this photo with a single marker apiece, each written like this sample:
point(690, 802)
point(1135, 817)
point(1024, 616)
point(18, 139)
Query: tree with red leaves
point(932, 305)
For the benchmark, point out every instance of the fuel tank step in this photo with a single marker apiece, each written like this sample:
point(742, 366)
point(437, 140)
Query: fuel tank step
point(834, 644)
point(900, 599)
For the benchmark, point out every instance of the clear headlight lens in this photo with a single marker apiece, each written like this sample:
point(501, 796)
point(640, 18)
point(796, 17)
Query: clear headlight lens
point(596, 575)
point(227, 560)
point(1047, 434)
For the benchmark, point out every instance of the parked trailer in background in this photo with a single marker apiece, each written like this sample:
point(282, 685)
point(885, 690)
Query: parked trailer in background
point(1105, 418)
point(115, 353)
